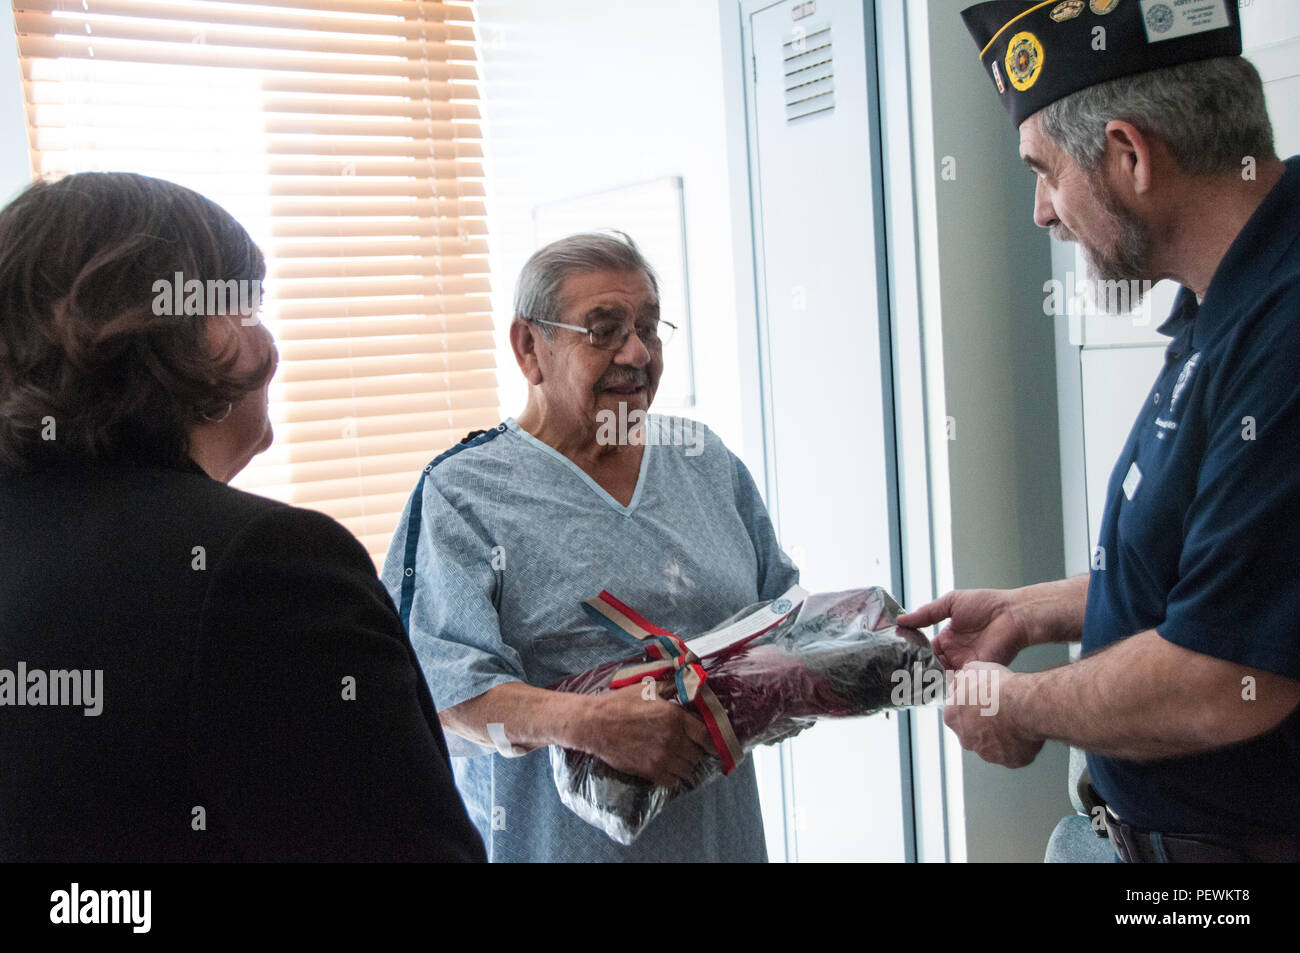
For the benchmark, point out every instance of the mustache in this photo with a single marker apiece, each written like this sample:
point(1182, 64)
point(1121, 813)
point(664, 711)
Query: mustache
point(635, 377)
point(1062, 234)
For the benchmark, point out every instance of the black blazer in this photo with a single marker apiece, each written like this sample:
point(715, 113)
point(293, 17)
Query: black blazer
point(226, 730)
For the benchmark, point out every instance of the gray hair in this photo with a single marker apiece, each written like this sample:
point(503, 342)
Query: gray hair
point(537, 295)
point(1210, 113)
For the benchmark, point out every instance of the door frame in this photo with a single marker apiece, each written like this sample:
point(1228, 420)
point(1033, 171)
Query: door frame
point(924, 774)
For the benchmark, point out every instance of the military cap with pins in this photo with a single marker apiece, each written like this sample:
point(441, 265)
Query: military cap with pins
point(1036, 53)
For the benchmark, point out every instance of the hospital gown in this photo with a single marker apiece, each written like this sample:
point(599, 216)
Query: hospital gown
point(510, 538)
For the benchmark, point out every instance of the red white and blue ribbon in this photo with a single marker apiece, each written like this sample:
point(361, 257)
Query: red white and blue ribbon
point(671, 658)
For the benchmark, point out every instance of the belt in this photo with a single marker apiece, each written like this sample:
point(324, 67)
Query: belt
point(1136, 845)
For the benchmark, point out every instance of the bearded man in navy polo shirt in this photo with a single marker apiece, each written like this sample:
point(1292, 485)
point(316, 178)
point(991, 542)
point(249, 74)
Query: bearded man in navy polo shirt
point(1155, 153)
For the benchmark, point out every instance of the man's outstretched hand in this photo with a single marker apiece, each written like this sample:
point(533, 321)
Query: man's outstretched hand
point(983, 626)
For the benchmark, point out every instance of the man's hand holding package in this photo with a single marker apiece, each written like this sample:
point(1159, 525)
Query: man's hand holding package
point(974, 711)
point(983, 627)
point(648, 737)
point(987, 629)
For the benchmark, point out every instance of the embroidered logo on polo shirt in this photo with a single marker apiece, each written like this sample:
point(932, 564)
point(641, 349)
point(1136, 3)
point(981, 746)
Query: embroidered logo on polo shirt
point(1183, 376)
point(1166, 424)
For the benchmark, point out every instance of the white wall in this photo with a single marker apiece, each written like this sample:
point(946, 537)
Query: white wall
point(15, 166)
point(585, 95)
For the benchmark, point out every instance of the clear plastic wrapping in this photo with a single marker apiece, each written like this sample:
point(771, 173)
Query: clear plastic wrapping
point(837, 655)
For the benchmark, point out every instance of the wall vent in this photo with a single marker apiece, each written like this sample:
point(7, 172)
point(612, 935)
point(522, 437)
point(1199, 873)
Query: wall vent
point(809, 74)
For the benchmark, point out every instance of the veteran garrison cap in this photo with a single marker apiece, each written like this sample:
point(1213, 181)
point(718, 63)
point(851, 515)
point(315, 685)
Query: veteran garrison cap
point(1036, 53)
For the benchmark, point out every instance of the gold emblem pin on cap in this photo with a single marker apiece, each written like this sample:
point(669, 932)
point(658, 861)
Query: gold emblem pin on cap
point(1024, 60)
point(1067, 10)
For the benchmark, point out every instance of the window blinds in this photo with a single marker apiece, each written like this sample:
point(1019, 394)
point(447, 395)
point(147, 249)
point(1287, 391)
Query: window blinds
point(344, 134)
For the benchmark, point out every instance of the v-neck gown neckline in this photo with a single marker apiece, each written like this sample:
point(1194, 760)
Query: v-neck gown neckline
point(513, 426)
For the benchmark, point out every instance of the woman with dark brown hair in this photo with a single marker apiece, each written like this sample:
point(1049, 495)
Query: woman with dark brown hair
point(187, 672)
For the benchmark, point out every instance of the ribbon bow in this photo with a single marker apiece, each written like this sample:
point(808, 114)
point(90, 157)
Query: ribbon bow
point(670, 657)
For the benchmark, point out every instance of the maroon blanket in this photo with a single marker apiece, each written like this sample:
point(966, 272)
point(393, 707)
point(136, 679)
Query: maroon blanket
point(839, 655)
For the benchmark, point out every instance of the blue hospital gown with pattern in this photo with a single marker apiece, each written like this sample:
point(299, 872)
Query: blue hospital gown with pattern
point(512, 538)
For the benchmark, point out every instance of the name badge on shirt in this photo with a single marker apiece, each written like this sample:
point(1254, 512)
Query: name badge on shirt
point(1131, 481)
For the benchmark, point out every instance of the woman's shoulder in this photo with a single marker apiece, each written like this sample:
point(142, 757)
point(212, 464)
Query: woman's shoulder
point(265, 529)
point(163, 506)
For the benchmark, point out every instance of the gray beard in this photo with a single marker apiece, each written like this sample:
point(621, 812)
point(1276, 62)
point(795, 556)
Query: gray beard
point(1126, 257)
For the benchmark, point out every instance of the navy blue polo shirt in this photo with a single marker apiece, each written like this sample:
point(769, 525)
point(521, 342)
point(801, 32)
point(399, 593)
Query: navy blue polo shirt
point(1200, 539)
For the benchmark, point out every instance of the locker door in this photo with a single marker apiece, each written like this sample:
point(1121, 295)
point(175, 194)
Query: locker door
point(823, 330)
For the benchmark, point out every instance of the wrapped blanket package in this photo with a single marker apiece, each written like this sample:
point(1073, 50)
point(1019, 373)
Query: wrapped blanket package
point(761, 676)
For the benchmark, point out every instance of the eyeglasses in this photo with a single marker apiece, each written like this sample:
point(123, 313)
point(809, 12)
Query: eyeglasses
point(612, 335)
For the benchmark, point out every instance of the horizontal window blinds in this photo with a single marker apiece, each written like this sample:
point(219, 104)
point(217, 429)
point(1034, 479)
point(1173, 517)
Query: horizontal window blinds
point(345, 135)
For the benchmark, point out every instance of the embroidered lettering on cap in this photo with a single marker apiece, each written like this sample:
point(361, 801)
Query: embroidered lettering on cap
point(1044, 51)
point(1170, 19)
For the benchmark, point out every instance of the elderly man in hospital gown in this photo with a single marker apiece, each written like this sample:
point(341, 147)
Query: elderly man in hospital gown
point(510, 531)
